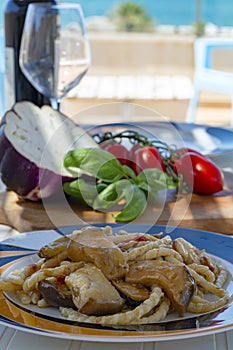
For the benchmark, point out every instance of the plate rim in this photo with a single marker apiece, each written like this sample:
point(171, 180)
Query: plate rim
point(177, 125)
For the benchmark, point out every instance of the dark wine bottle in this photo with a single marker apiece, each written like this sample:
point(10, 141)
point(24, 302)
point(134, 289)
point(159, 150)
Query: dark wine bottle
point(17, 87)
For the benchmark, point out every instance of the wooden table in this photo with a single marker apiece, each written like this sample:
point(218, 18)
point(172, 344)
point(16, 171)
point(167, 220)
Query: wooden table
point(211, 213)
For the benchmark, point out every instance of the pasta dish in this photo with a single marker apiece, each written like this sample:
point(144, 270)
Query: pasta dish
point(95, 276)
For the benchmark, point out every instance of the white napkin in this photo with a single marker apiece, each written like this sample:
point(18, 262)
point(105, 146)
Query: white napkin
point(31, 240)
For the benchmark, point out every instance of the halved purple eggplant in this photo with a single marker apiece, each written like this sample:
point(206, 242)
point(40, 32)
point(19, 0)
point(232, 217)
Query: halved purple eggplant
point(33, 144)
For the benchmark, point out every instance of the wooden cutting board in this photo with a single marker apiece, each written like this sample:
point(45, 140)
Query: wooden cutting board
point(211, 213)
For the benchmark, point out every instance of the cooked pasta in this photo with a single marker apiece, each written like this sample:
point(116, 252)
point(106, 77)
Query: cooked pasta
point(153, 276)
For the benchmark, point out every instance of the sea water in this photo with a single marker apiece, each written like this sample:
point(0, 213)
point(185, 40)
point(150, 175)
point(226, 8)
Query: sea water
point(168, 12)
point(163, 12)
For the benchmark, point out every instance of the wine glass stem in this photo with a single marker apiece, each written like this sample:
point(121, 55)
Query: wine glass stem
point(55, 103)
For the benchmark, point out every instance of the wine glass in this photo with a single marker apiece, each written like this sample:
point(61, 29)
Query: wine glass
point(55, 50)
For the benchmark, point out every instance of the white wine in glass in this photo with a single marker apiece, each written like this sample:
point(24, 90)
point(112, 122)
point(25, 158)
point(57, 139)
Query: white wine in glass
point(55, 51)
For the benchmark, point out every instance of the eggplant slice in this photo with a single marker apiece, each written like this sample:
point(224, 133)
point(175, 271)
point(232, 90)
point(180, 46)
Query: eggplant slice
point(33, 145)
point(175, 280)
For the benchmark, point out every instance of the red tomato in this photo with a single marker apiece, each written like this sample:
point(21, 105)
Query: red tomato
point(133, 149)
point(120, 152)
point(184, 150)
point(180, 152)
point(105, 144)
point(61, 279)
point(200, 173)
point(147, 157)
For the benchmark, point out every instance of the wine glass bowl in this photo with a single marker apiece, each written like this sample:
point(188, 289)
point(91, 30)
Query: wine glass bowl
point(55, 50)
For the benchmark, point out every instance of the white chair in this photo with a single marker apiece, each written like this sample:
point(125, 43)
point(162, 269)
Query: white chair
point(206, 76)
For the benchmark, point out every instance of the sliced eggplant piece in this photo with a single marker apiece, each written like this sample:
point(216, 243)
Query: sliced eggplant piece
point(93, 244)
point(56, 294)
point(136, 292)
point(33, 145)
point(176, 280)
point(93, 293)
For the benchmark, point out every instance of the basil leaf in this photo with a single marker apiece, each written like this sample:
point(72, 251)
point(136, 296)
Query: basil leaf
point(96, 162)
point(136, 203)
point(110, 196)
point(128, 172)
point(154, 178)
point(86, 191)
point(151, 194)
point(135, 200)
point(171, 183)
point(101, 186)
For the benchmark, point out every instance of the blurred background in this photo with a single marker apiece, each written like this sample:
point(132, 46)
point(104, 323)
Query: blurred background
point(142, 52)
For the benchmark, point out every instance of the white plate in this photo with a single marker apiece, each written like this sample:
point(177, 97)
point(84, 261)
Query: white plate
point(54, 312)
point(12, 314)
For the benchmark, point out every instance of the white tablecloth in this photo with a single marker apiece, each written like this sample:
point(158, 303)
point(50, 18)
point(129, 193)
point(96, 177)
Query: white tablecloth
point(11, 339)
